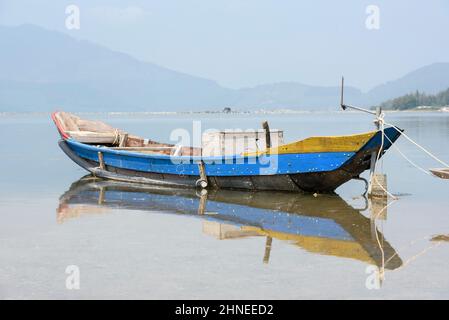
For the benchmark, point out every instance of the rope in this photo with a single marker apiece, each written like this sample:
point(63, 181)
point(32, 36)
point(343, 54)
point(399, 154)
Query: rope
point(383, 189)
point(382, 123)
point(383, 209)
point(412, 243)
point(382, 269)
point(380, 120)
point(410, 161)
point(419, 146)
point(414, 257)
point(116, 137)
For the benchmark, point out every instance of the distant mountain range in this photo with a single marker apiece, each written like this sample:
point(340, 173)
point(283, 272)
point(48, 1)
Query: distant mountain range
point(43, 70)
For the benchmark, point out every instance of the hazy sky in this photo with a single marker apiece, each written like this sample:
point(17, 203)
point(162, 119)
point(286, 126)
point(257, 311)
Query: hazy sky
point(249, 42)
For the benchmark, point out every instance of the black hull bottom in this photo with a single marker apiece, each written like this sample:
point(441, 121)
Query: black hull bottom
point(323, 182)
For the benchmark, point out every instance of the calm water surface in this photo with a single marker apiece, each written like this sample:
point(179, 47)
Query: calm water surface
point(142, 242)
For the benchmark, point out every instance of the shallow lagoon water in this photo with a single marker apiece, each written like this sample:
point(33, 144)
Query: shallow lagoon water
point(152, 244)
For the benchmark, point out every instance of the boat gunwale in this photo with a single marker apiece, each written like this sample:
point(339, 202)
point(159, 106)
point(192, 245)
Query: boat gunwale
point(212, 159)
point(205, 159)
point(209, 159)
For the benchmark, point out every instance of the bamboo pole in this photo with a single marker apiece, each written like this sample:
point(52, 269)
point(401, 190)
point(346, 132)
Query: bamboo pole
point(266, 257)
point(266, 127)
point(101, 161)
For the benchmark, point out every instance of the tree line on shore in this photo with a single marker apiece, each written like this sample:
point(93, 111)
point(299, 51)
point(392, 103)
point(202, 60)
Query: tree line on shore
point(418, 99)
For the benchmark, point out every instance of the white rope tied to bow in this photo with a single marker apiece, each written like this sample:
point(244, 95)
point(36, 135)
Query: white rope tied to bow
point(419, 146)
point(381, 123)
point(409, 160)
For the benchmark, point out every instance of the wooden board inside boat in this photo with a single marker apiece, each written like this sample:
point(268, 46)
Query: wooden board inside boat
point(99, 133)
point(94, 137)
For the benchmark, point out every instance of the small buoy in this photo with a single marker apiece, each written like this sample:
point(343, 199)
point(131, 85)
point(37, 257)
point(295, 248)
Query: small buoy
point(201, 183)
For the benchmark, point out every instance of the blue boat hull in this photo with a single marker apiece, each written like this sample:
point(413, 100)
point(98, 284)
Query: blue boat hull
point(310, 172)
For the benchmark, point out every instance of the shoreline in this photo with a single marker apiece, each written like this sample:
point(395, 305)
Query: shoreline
point(237, 112)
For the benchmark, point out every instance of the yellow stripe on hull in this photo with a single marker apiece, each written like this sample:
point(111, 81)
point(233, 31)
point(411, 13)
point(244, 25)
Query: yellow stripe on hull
point(324, 246)
point(351, 143)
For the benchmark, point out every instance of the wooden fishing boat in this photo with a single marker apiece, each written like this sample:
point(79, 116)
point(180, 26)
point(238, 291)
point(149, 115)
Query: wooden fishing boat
point(324, 225)
point(316, 164)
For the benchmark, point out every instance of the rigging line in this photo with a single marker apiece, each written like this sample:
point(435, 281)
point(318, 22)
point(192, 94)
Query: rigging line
point(116, 137)
point(381, 122)
point(384, 208)
point(413, 258)
point(383, 189)
point(411, 243)
point(408, 159)
point(419, 146)
point(382, 269)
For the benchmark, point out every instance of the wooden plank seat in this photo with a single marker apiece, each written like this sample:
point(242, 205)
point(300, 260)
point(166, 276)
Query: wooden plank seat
point(95, 137)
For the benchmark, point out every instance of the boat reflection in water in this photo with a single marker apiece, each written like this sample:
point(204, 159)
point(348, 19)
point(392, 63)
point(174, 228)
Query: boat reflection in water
point(324, 225)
